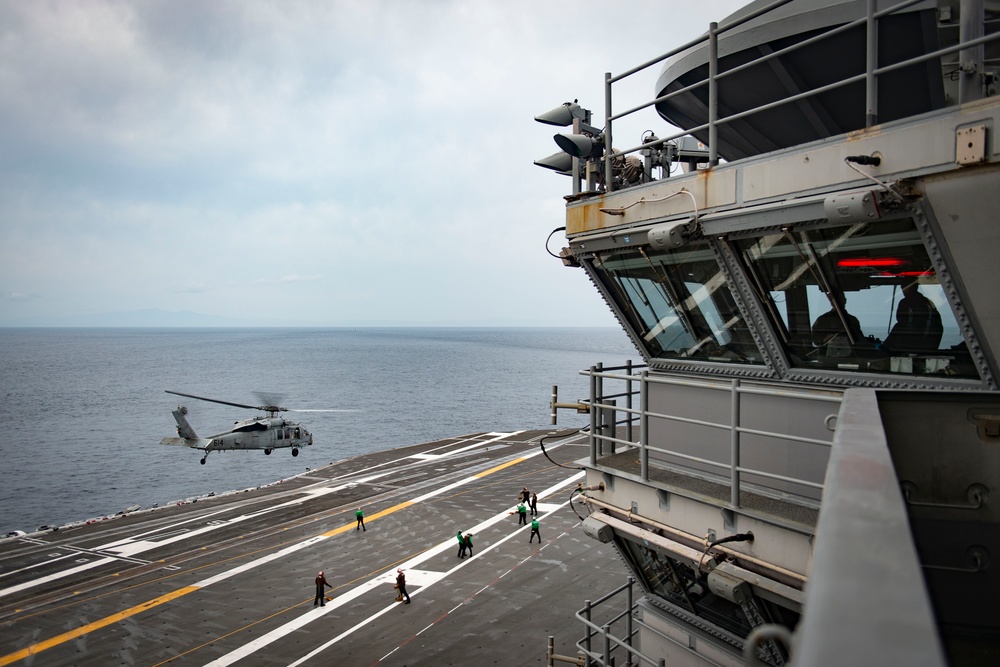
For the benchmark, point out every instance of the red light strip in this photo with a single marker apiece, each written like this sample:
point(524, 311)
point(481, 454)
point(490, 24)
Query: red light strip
point(869, 262)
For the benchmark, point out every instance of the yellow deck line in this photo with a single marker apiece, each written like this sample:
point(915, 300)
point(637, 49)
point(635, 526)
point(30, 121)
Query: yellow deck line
point(500, 467)
point(96, 625)
point(155, 602)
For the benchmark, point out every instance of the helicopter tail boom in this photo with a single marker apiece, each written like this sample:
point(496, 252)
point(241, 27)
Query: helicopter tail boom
point(193, 443)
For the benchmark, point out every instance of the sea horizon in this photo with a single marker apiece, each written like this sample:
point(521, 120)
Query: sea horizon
point(86, 407)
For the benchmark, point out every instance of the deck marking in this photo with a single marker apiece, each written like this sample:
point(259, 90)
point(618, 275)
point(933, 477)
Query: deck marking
point(58, 575)
point(90, 627)
point(476, 444)
point(447, 544)
point(31, 567)
point(155, 602)
point(445, 615)
point(124, 548)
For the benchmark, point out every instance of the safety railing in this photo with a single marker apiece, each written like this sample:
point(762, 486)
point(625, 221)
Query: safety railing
point(607, 423)
point(615, 635)
point(605, 640)
point(970, 65)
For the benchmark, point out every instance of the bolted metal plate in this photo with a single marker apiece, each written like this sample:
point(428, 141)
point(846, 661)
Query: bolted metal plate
point(970, 145)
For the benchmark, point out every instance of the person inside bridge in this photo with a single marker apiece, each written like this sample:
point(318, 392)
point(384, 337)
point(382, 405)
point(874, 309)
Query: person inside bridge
point(918, 326)
point(828, 333)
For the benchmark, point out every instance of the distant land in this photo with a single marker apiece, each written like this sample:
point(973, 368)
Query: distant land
point(156, 318)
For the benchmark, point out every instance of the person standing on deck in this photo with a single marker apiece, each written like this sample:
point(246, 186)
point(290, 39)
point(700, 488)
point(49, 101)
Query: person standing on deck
point(461, 545)
point(361, 520)
point(534, 504)
point(522, 515)
point(321, 586)
point(525, 495)
point(534, 531)
point(401, 583)
point(467, 542)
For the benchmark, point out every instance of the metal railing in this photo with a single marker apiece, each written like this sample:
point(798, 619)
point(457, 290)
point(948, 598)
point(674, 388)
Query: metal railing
point(969, 47)
point(610, 645)
point(605, 424)
point(605, 641)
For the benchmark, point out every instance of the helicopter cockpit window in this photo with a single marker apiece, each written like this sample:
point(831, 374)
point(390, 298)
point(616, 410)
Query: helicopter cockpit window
point(679, 303)
point(861, 297)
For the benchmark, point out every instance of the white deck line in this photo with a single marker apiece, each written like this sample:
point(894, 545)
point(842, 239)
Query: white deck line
point(422, 578)
point(130, 546)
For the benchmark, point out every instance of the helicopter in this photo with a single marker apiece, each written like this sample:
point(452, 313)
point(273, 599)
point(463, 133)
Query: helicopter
point(267, 433)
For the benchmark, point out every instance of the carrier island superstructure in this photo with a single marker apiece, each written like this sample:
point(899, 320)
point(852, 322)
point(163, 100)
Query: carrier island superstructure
point(805, 469)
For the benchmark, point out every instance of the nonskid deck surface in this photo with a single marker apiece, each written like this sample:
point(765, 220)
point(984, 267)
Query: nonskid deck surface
point(229, 579)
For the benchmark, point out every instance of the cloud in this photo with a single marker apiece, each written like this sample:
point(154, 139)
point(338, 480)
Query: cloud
point(359, 159)
point(18, 296)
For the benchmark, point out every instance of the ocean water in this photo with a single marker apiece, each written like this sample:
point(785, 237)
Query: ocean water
point(83, 410)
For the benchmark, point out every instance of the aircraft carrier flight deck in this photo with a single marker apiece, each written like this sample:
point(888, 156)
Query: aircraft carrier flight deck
point(229, 579)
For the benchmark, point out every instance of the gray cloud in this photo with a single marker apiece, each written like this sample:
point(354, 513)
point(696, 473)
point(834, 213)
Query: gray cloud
point(350, 159)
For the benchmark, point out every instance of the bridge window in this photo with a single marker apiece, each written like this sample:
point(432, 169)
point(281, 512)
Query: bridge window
point(679, 303)
point(861, 297)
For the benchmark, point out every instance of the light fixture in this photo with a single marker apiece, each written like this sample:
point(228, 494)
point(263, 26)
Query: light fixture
point(564, 114)
point(869, 262)
point(578, 145)
point(569, 113)
point(560, 162)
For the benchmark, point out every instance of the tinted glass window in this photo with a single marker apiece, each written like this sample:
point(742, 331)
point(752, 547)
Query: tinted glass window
point(679, 302)
point(858, 297)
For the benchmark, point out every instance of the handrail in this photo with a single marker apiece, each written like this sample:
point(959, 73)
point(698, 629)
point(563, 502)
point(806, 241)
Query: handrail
point(605, 424)
point(611, 642)
point(715, 78)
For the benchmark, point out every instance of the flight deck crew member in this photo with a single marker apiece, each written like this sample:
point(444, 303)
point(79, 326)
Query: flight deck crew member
point(534, 504)
point(321, 586)
point(461, 545)
point(467, 543)
point(361, 520)
point(522, 515)
point(401, 583)
point(534, 531)
point(525, 495)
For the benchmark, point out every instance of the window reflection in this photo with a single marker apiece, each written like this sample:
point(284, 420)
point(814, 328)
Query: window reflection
point(680, 303)
point(858, 297)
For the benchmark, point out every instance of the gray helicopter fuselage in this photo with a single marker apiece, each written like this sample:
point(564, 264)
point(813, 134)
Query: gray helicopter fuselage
point(266, 433)
point(262, 433)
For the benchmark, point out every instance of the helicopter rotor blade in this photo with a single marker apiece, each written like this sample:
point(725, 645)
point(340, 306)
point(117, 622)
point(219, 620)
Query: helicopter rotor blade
point(267, 398)
point(214, 400)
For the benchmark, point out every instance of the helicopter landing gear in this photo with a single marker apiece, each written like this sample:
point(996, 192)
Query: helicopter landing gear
point(267, 452)
point(295, 452)
point(203, 459)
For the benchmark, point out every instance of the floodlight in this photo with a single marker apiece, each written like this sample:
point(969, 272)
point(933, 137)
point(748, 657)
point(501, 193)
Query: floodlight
point(577, 145)
point(564, 114)
point(560, 162)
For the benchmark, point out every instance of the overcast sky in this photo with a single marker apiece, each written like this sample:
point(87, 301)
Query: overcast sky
point(326, 163)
